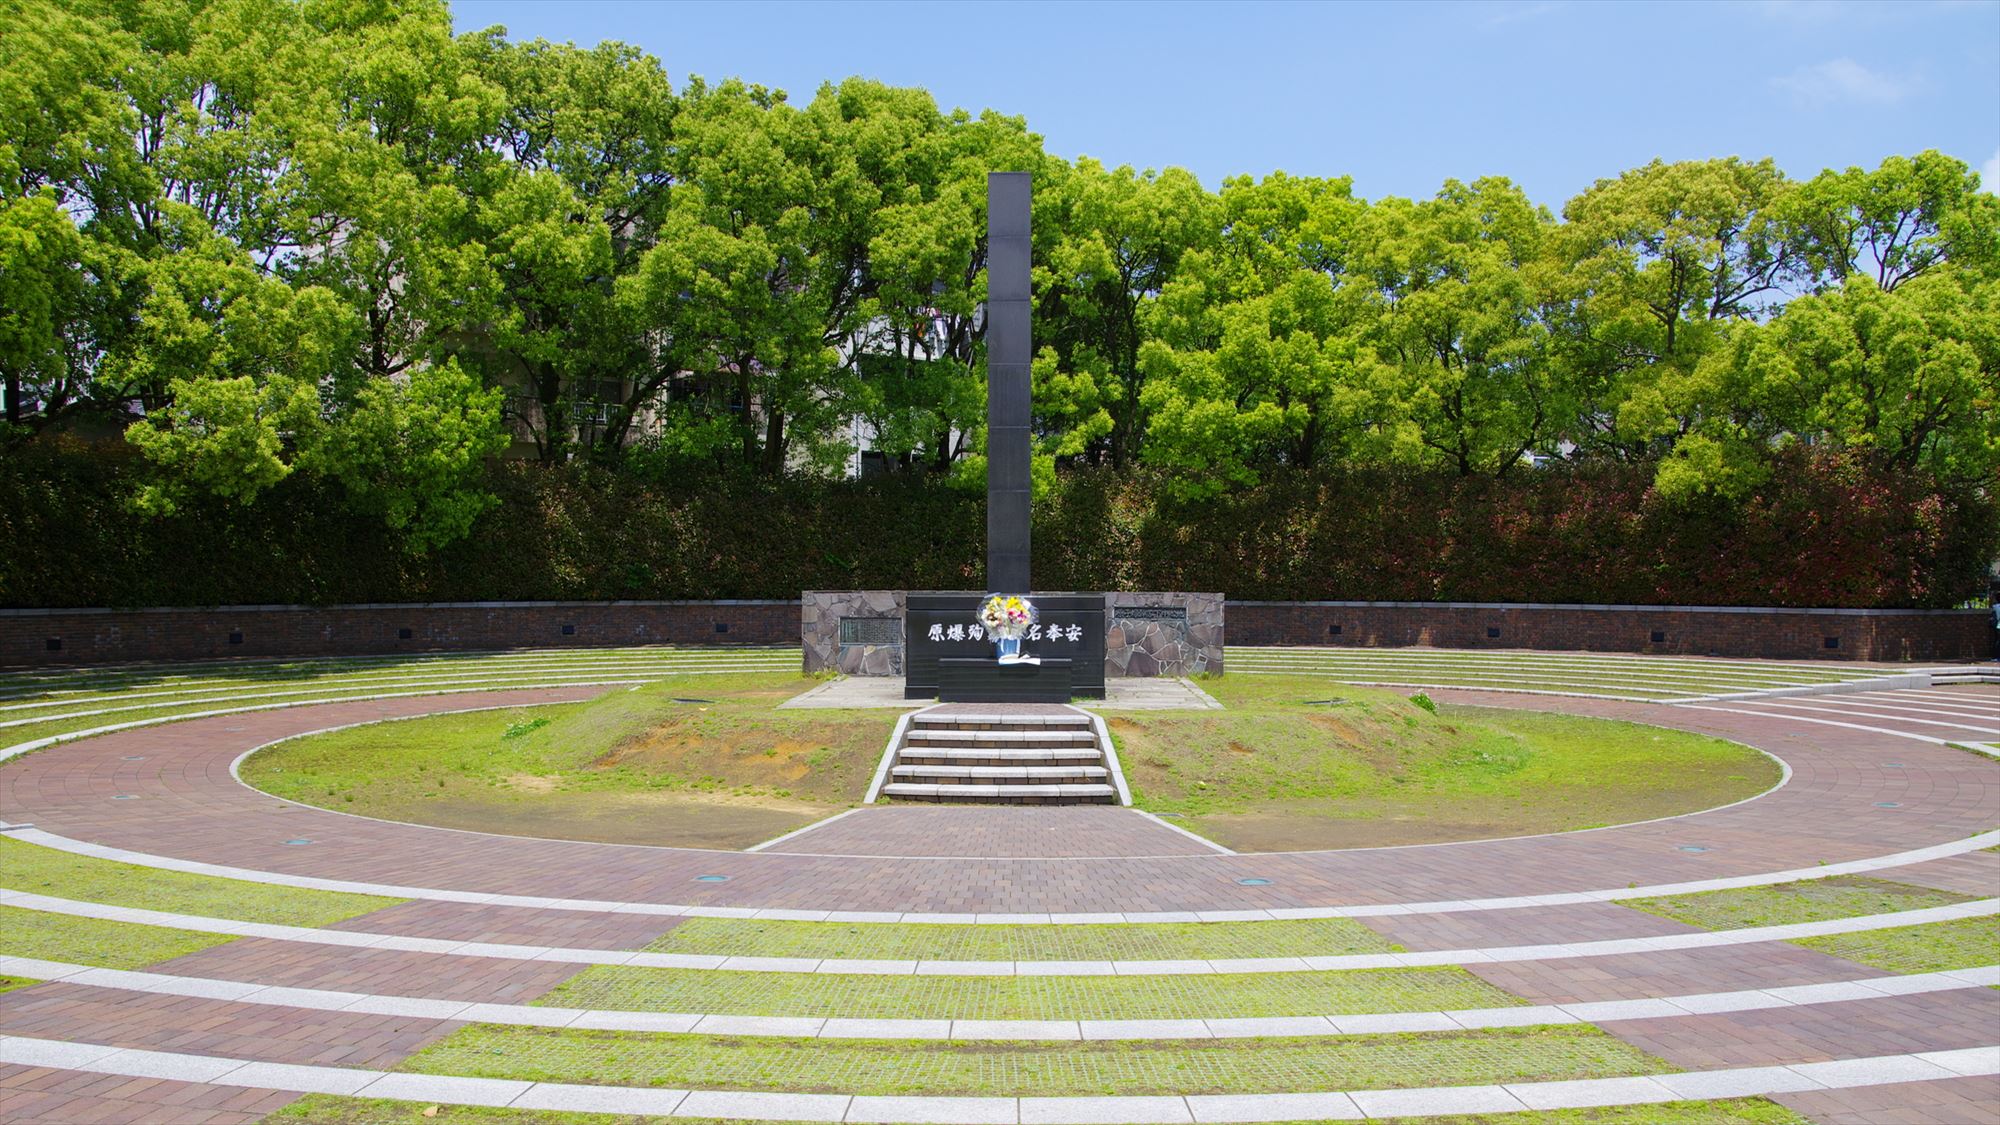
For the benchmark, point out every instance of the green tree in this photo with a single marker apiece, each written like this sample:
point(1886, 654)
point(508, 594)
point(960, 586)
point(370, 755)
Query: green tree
point(413, 450)
point(1118, 237)
point(1893, 223)
point(42, 285)
point(1467, 300)
point(1664, 259)
point(1258, 353)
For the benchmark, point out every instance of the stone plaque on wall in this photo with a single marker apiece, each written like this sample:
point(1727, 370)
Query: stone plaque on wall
point(939, 625)
point(1164, 634)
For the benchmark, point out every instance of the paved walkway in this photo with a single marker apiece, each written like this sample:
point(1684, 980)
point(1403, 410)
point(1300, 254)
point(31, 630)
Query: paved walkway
point(181, 801)
point(1871, 779)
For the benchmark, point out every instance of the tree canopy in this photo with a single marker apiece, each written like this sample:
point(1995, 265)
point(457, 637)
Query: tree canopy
point(256, 237)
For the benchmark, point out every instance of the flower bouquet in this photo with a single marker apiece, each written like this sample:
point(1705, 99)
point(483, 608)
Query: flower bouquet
point(1007, 618)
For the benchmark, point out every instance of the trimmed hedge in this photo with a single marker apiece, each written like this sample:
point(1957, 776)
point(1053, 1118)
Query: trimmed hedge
point(1827, 532)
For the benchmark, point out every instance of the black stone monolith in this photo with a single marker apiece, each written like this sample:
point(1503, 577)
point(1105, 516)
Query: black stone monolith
point(1009, 345)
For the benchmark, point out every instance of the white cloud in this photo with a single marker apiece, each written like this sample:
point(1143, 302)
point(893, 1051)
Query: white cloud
point(1842, 80)
point(1989, 174)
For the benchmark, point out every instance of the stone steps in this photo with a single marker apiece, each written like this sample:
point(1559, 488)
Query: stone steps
point(974, 756)
point(996, 757)
point(964, 775)
point(1070, 794)
point(1005, 737)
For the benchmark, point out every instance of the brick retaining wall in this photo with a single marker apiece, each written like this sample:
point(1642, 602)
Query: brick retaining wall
point(1792, 634)
point(98, 636)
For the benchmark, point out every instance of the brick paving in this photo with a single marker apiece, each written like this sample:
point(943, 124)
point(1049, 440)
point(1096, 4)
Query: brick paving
point(1028, 860)
point(1975, 873)
point(1937, 1021)
point(260, 1032)
point(1672, 972)
point(32, 1095)
point(384, 972)
point(1011, 832)
point(514, 925)
point(1541, 925)
point(1948, 1101)
point(190, 807)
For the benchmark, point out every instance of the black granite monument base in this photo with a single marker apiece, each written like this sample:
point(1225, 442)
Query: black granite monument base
point(983, 679)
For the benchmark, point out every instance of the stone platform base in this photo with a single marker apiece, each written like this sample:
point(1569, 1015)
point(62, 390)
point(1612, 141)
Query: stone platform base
point(983, 679)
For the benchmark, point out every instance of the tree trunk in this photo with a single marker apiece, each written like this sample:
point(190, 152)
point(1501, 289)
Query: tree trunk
point(774, 442)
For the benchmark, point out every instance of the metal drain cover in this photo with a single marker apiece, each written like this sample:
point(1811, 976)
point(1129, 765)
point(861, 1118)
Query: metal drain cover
point(711, 878)
point(1255, 882)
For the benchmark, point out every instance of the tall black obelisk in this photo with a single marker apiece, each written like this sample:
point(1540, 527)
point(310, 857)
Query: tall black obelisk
point(1009, 351)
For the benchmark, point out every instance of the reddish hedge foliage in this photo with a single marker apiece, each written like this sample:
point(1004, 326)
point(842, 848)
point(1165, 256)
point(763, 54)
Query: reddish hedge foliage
point(1826, 532)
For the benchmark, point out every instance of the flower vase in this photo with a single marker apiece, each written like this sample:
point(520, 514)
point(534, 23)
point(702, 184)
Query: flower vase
point(1009, 649)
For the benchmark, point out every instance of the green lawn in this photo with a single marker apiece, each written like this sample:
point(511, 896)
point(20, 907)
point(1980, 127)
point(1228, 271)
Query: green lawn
point(95, 941)
point(1809, 900)
point(41, 704)
point(31, 867)
point(1194, 996)
point(696, 760)
point(1294, 764)
point(327, 1109)
point(733, 937)
point(890, 1067)
point(9, 984)
point(1935, 947)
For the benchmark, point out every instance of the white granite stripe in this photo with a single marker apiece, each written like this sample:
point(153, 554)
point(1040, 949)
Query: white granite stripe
point(1255, 965)
point(763, 1106)
point(1945, 850)
point(528, 1015)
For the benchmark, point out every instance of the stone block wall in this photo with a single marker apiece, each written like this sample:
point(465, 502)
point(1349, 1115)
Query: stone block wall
point(1164, 634)
point(1756, 632)
point(1140, 644)
point(871, 652)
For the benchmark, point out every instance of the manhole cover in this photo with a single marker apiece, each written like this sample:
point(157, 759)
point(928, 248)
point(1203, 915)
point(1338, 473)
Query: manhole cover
point(125, 797)
point(296, 843)
point(1888, 804)
point(1255, 882)
point(1692, 848)
point(133, 758)
point(711, 878)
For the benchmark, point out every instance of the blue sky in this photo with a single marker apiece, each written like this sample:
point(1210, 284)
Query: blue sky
point(1551, 93)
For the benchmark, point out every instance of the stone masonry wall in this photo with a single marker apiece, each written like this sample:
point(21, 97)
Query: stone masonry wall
point(820, 612)
point(1143, 644)
point(1132, 648)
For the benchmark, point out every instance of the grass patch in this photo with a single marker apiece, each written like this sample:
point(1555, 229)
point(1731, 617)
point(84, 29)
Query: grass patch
point(1934, 947)
point(892, 1067)
point(1277, 771)
point(1193, 996)
point(635, 766)
point(730, 937)
point(31, 867)
point(177, 690)
point(1783, 904)
point(329, 1109)
point(95, 941)
point(9, 984)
